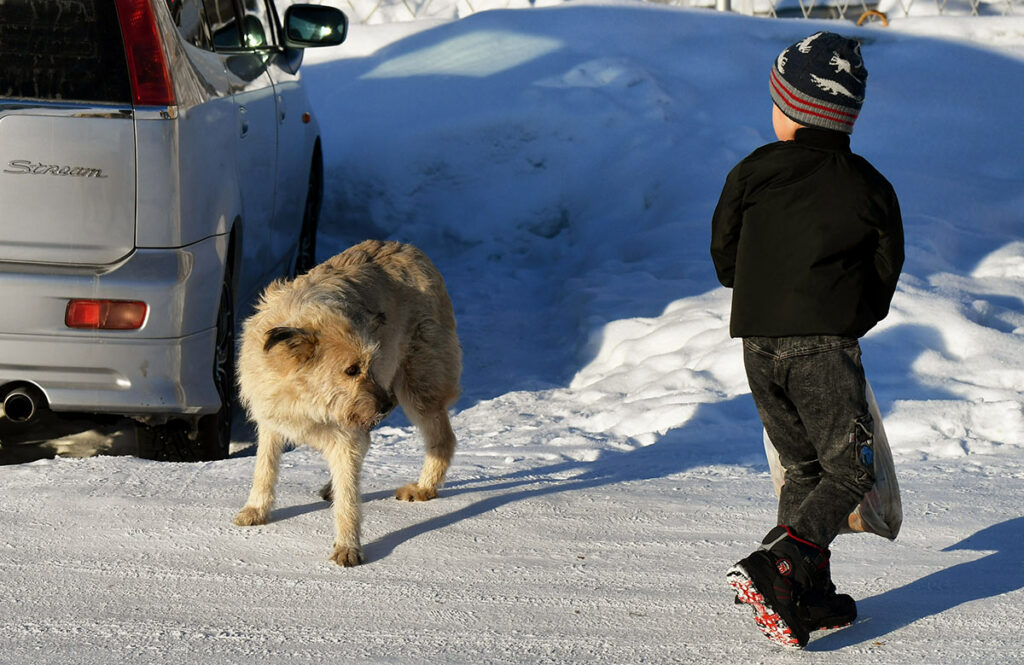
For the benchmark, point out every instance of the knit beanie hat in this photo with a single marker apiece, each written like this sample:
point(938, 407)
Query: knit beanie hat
point(819, 81)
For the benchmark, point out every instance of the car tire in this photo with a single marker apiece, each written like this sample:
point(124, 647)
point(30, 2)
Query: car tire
point(305, 252)
point(210, 438)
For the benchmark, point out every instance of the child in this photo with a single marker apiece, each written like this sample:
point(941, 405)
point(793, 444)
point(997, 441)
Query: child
point(809, 237)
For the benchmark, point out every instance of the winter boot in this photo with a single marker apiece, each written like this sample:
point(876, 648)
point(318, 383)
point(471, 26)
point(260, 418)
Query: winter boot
point(772, 579)
point(821, 608)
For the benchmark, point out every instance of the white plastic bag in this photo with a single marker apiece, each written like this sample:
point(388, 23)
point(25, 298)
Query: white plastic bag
point(881, 510)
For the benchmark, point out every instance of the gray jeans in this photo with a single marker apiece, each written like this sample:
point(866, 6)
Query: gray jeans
point(810, 394)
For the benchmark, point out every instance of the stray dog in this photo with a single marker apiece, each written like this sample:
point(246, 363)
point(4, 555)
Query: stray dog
point(324, 359)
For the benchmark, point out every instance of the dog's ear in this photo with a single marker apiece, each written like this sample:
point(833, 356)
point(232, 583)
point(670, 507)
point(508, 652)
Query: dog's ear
point(301, 343)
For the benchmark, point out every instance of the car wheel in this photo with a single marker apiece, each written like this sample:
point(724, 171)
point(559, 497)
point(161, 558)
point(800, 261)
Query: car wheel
point(210, 439)
point(215, 430)
point(305, 253)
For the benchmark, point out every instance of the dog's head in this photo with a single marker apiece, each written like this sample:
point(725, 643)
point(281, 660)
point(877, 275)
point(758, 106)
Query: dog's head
point(326, 371)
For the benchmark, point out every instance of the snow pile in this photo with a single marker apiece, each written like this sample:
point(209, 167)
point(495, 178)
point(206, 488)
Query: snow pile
point(584, 175)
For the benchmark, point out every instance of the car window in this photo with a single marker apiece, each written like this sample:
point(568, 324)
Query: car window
point(257, 28)
point(67, 50)
point(254, 31)
point(223, 24)
point(190, 18)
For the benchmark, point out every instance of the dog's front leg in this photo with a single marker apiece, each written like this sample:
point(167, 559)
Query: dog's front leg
point(269, 448)
point(345, 459)
point(439, 438)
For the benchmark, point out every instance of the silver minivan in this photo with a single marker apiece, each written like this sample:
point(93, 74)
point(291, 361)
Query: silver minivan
point(159, 163)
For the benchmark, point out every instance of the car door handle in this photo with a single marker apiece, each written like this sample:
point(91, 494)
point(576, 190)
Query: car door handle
point(281, 107)
point(243, 121)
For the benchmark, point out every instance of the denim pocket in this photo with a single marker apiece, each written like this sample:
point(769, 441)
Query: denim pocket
point(862, 442)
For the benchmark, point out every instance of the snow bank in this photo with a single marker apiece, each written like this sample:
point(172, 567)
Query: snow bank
point(585, 174)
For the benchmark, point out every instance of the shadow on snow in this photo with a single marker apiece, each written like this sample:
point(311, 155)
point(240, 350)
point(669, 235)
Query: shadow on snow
point(997, 573)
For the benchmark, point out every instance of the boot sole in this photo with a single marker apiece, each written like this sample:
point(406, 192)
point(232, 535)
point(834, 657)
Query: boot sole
point(768, 621)
point(822, 625)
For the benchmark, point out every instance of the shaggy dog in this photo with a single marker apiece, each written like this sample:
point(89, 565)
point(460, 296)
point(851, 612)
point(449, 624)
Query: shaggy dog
point(323, 361)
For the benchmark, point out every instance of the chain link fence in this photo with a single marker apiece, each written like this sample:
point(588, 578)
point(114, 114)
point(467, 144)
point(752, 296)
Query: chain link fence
point(389, 11)
point(860, 9)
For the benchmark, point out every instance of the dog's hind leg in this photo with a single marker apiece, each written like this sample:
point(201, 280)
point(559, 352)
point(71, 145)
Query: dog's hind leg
point(439, 438)
point(261, 497)
point(345, 458)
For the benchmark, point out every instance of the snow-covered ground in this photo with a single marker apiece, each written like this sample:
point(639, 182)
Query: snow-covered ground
point(560, 166)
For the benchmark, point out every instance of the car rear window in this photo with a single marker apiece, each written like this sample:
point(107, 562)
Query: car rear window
point(66, 50)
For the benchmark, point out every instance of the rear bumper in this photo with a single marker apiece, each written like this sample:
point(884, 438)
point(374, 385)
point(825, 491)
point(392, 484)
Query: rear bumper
point(163, 368)
point(127, 377)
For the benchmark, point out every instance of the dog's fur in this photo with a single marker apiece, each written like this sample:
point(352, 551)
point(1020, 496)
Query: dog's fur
point(325, 357)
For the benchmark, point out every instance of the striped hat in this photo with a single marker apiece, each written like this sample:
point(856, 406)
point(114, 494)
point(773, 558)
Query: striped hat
point(819, 81)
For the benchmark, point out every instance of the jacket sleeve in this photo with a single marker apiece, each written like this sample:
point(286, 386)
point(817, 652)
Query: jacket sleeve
point(725, 228)
point(889, 256)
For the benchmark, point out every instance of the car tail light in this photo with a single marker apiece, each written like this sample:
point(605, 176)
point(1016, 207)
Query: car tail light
point(147, 65)
point(105, 314)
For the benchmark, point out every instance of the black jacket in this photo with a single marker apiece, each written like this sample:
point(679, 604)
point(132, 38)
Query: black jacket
point(809, 237)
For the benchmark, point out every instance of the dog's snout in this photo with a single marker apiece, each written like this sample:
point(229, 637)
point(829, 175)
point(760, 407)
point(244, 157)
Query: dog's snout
point(385, 401)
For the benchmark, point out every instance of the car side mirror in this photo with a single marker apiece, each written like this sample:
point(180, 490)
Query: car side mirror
point(314, 25)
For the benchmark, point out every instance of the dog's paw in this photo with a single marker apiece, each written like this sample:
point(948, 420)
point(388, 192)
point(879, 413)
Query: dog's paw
point(413, 492)
point(344, 555)
point(250, 516)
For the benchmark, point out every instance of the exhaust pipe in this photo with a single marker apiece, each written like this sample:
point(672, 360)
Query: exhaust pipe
point(22, 404)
